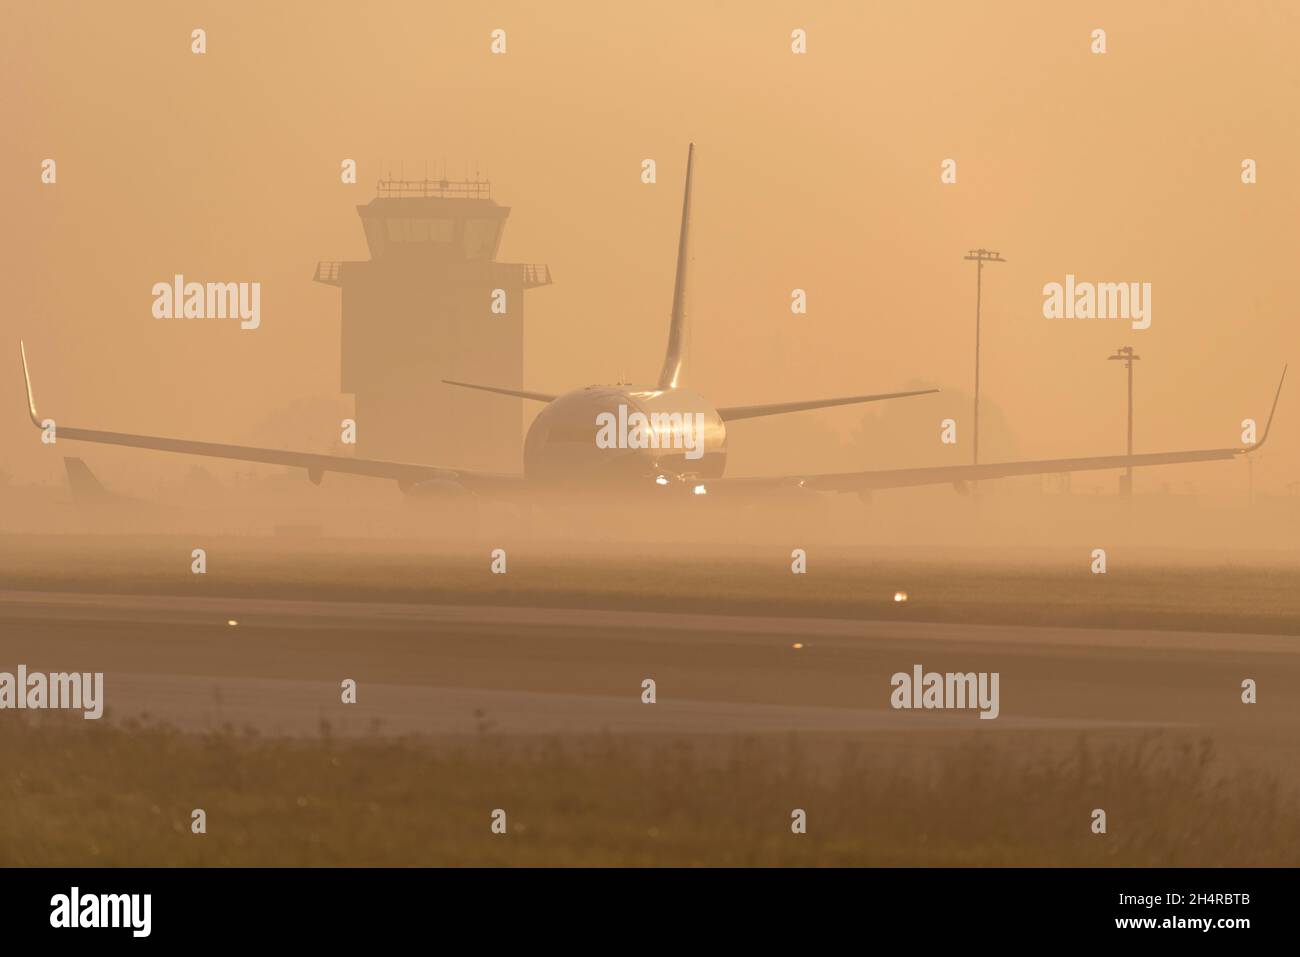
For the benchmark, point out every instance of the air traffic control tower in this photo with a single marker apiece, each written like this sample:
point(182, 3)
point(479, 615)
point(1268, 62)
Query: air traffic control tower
point(420, 310)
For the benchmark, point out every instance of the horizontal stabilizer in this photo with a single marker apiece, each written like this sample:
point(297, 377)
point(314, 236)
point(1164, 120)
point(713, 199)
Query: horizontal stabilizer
point(517, 393)
point(732, 412)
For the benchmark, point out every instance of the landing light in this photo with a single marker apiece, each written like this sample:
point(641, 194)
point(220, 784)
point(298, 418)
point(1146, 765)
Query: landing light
point(700, 490)
point(900, 596)
point(232, 623)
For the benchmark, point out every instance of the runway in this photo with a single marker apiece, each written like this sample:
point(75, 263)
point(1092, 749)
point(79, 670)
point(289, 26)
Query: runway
point(444, 669)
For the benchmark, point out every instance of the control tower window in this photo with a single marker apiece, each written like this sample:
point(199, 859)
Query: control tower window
point(405, 230)
point(417, 230)
point(439, 230)
point(481, 238)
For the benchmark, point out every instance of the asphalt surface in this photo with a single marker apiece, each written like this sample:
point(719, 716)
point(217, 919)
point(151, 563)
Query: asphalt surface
point(440, 669)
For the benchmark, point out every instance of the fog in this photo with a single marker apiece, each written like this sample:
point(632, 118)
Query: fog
point(818, 172)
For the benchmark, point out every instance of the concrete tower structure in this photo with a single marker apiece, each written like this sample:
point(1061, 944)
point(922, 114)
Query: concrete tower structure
point(421, 310)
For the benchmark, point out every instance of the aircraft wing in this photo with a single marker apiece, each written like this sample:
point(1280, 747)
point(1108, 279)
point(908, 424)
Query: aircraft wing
point(405, 474)
point(960, 474)
point(731, 413)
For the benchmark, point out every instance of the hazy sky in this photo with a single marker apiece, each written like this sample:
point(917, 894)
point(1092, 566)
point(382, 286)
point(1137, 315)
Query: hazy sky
point(819, 171)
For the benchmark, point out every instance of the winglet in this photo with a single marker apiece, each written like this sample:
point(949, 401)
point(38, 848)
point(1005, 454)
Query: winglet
point(27, 379)
point(1268, 424)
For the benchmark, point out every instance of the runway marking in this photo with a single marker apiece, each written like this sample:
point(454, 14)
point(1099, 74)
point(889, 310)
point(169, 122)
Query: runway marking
point(179, 609)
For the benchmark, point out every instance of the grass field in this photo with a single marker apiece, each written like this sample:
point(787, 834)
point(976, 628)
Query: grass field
point(80, 793)
point(1170, 800)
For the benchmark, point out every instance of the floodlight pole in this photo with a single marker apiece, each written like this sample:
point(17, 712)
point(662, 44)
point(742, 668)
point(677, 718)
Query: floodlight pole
point(979, 257)
point(1126, 356)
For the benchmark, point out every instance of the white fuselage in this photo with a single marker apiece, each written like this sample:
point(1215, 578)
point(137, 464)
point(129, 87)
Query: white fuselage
point(569, 443)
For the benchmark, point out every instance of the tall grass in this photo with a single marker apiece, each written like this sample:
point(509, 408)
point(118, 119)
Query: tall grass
point(72, 794)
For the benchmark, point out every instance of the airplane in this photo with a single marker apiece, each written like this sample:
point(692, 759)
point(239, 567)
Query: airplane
point(85, 487)
point(677, 448)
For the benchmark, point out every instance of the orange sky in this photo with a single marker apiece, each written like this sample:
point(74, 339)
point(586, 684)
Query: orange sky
point(818, 171)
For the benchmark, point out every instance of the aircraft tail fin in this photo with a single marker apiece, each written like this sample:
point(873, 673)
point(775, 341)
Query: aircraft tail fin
point(670, 377)
point(82, 482)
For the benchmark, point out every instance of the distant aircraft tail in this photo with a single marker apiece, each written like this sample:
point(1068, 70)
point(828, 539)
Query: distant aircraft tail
point(670, 377)
point(82, 482)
